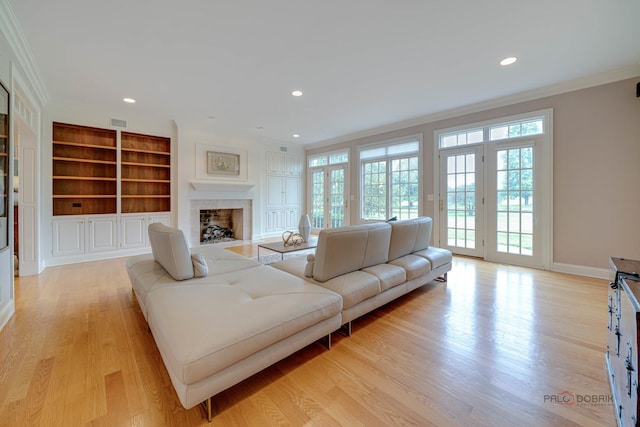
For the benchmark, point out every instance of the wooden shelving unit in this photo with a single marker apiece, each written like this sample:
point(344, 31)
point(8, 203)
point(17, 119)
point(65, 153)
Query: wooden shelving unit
point(84, 170)
point(145, 173)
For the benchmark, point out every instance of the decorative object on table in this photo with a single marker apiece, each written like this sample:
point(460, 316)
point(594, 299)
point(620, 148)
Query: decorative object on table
point(289, 238)
point(219, 163)
point(304, 227)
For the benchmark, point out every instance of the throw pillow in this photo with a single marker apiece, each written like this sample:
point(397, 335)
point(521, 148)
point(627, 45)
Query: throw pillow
point(200, 268)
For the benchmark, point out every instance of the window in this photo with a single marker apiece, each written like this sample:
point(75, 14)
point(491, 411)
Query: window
point(390, 180)
point(333, 158)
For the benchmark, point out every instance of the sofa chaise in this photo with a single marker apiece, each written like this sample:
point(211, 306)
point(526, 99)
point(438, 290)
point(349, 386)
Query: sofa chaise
point(218, 317)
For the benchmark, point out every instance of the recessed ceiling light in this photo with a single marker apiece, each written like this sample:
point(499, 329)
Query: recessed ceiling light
point(296, 93)
point(508, 61)
point(129, 100)
point(295, 135)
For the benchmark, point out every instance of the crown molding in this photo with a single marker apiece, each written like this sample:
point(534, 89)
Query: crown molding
point(13, 33)
point(530, 95)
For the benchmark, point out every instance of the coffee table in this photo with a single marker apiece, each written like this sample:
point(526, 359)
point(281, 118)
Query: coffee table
point(282, 249)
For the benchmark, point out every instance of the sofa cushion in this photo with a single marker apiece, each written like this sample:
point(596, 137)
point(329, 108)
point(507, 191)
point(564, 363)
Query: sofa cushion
point(354, 287)
point(436, 256)
point(170, 250)
point(345, 249)
point(414, 265)
point(409, 236)
point(203, 328)
point(389, 275)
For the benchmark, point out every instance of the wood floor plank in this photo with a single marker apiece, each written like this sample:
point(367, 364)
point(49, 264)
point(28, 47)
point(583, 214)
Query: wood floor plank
point(486, 348)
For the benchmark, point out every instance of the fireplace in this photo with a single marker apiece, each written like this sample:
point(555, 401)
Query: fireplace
point(220, 225)
point(220, 220)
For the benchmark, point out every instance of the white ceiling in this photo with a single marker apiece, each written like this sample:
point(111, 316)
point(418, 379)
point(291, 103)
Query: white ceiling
point(361, 63)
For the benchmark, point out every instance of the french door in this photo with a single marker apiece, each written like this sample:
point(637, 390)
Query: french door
point(490, 200)
point(327, 198)
point(461, 199)
point(514, 235)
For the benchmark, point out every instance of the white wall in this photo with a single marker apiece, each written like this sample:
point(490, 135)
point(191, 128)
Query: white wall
point(188, 157)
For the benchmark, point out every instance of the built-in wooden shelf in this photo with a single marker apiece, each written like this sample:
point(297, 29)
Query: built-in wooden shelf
point(85, 161)
point(78, 144)
point(145, 165)
point(85, 178)
point(81, 196)
point(145, 173)
point(72, 159)
point(85, 171)
point(146, 196)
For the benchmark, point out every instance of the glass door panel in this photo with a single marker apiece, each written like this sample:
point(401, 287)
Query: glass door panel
point(328, 200)
point(317, 198)
point(513, 234)
point(461, 191)
point(337, 197)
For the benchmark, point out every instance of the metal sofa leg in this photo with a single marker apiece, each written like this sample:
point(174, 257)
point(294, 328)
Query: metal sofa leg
point(206, 407)
point(346, 329)
point(326, 341)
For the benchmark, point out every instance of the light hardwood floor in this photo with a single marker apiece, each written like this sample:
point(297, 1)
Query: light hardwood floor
point(488, 348)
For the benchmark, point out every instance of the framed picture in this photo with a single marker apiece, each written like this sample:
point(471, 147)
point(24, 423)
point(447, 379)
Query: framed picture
point(225, 164)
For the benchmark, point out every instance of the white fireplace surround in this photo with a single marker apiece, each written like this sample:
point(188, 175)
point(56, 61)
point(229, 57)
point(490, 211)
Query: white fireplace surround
point(201, 204)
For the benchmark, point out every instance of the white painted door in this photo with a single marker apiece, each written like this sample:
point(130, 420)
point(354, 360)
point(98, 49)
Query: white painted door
point(513, 199)
point(461, 199)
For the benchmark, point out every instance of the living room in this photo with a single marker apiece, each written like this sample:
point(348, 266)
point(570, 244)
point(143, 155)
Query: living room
point(592, 172)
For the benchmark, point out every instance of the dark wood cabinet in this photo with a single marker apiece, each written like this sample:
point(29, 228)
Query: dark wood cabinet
point(622, 339)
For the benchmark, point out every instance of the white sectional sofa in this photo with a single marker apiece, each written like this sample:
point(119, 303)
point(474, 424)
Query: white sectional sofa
point(372, 264)
point(218, 317)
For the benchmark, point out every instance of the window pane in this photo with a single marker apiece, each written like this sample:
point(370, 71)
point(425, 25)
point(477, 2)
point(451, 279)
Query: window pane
point(532, 128)
point(475, 136)
point(448, 141)
point(336, 158)
point(317, 161)
point(514, 131)
point(501, 132)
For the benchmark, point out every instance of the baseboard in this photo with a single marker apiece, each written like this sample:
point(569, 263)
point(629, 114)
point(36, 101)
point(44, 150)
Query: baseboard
point(6, 312)
point(581, 270)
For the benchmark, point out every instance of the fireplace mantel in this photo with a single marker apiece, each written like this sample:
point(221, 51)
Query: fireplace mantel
point(218, 186)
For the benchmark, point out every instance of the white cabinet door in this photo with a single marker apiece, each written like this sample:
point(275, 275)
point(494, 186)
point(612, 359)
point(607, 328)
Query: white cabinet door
point(68, 236)
point(292, 165)
point(163, 218)
point(275, 162)
point(103, 234)
point(133, 228)
point(291, 191)
point(275, 191)
point(292, 218)
point(133, 231)
point(274, 220)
